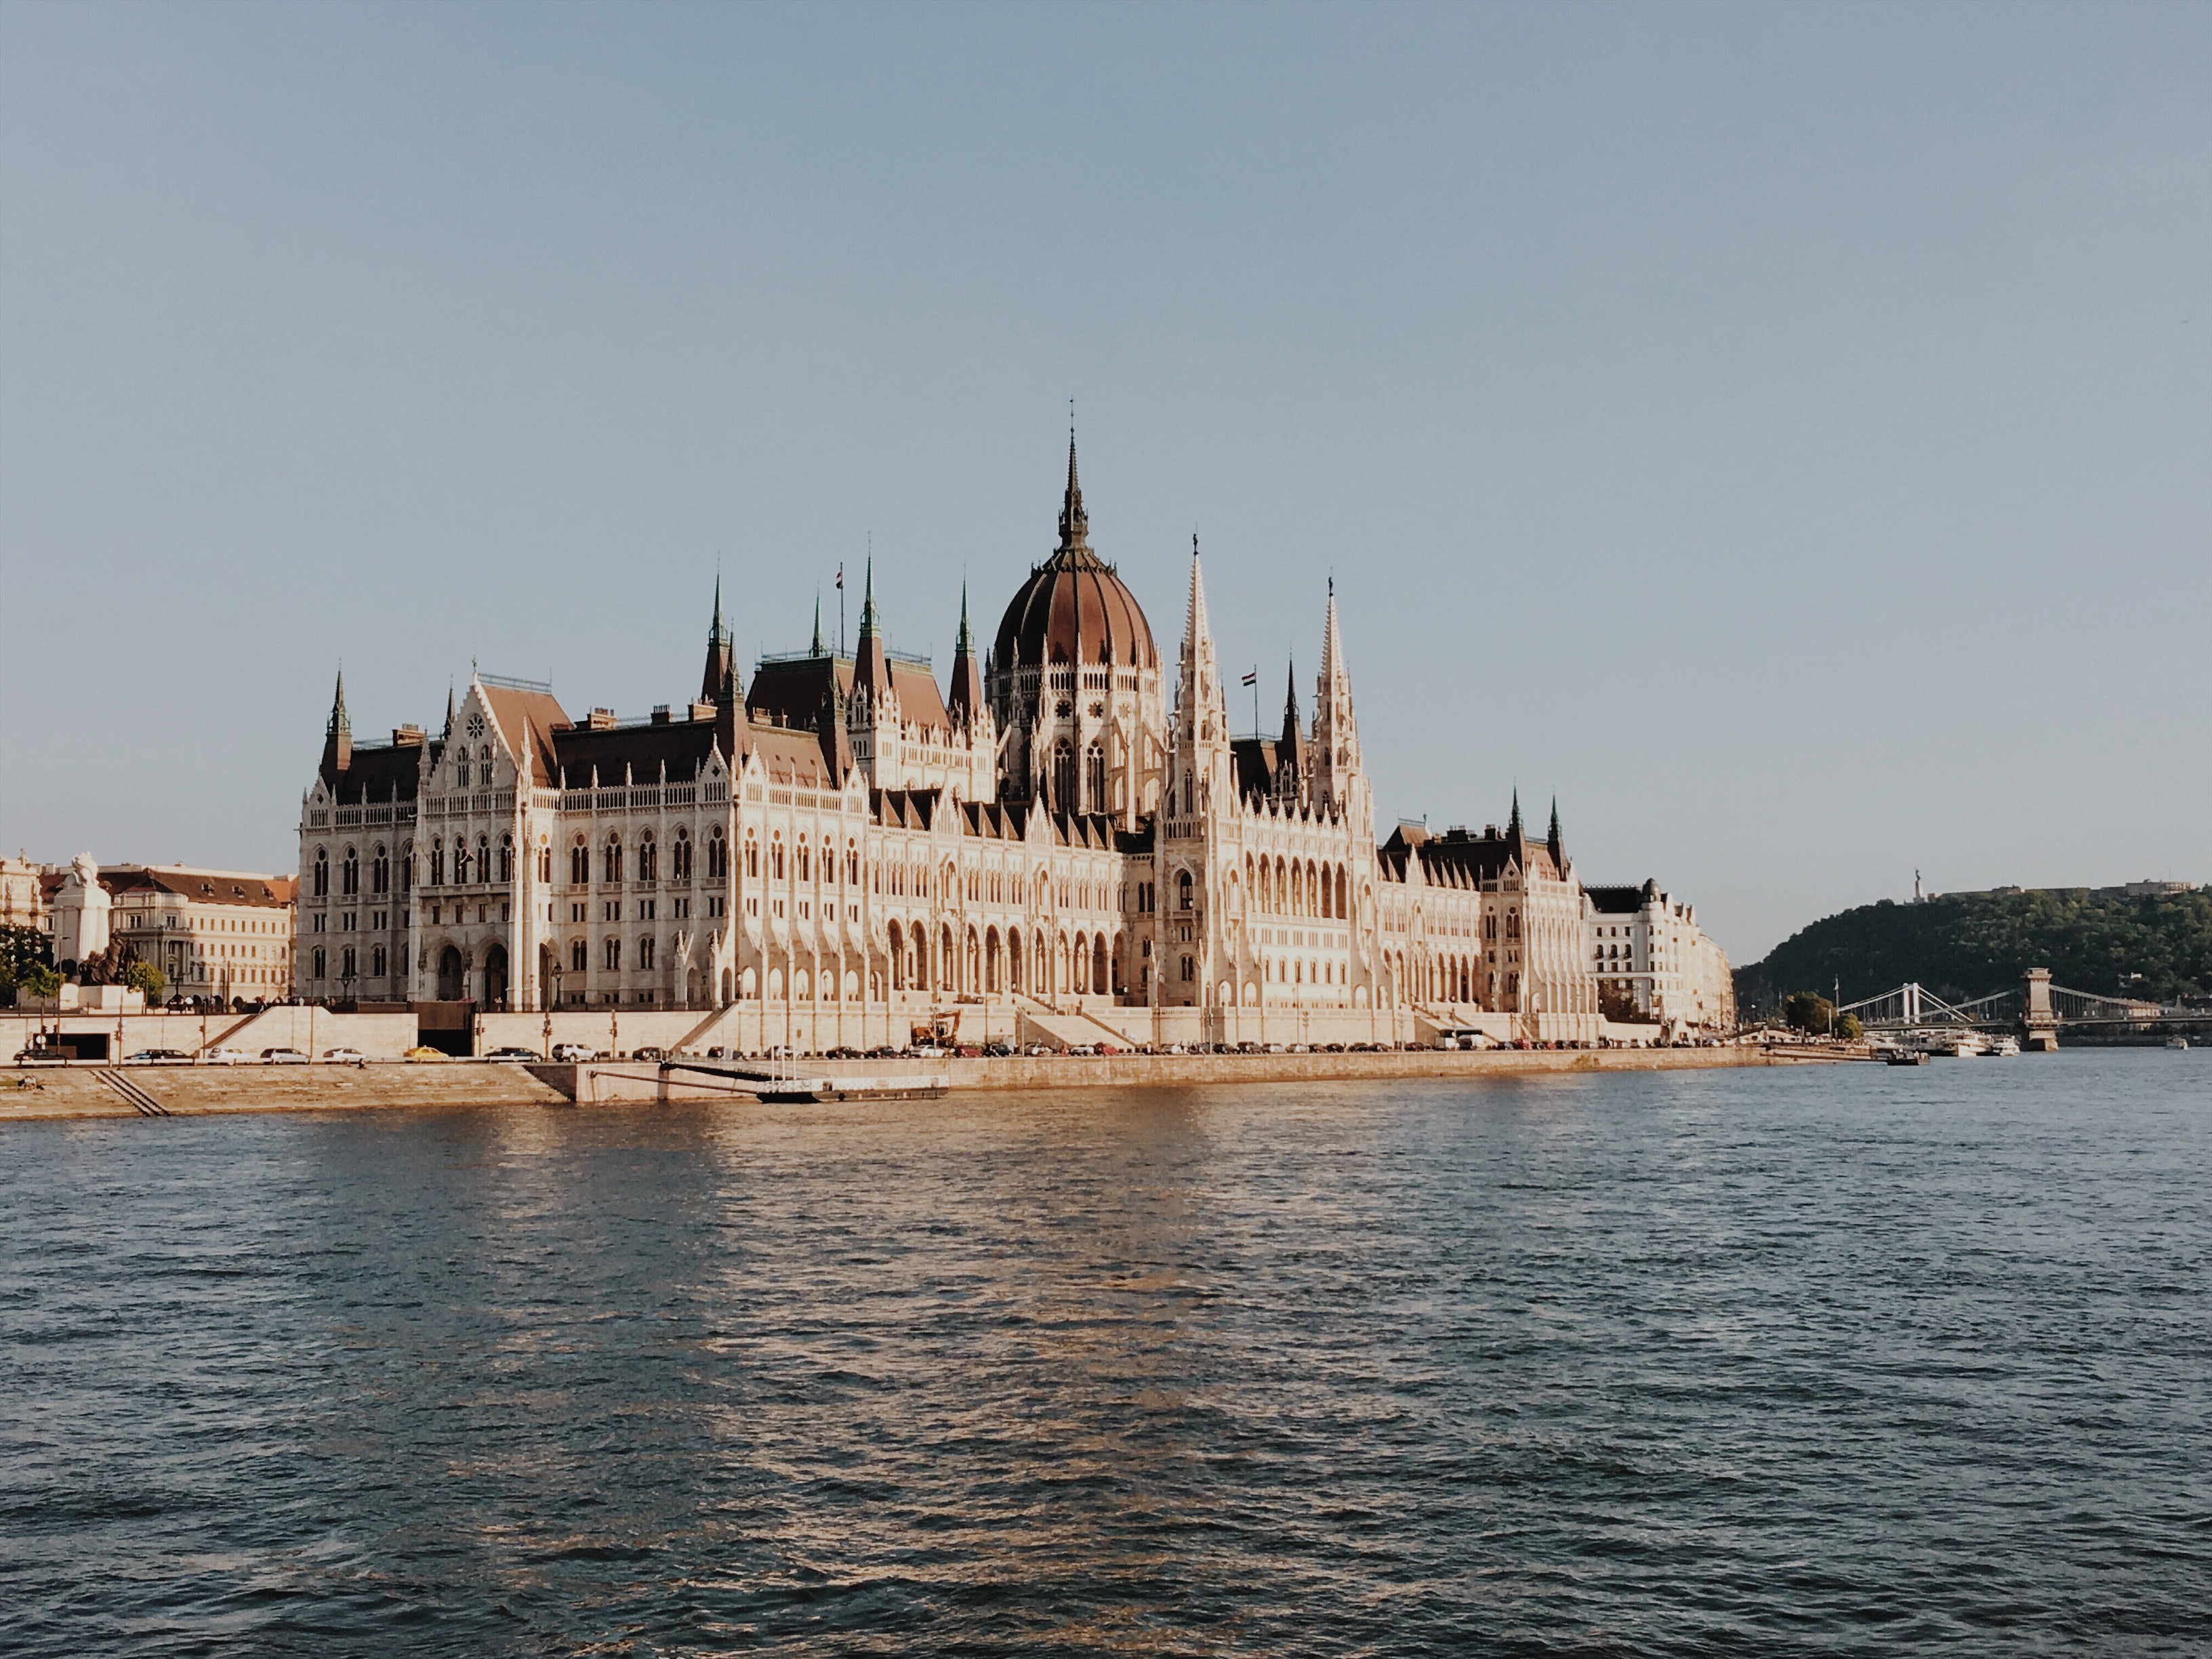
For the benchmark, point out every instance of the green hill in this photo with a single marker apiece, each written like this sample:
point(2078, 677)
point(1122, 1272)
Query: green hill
point(1966, 945)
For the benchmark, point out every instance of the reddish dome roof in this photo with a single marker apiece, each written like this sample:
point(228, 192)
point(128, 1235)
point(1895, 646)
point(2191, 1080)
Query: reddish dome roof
point(1075, 596)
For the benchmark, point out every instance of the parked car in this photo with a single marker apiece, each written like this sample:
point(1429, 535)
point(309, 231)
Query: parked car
point(40, 1057)
point(220, 1056)
point(424, 1051)
point(570, 1053)
point(155, 1057)
point(283, 1056)
point(343, 1057)
point(511, 1052)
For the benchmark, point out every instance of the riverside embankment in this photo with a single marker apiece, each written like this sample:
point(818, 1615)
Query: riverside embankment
point(85, 1090)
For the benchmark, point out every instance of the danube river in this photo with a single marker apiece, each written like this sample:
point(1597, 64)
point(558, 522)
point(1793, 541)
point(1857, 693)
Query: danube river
point(1758, 1362)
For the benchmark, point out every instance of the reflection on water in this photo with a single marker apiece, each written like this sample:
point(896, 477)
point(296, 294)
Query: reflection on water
point(1745, 1362)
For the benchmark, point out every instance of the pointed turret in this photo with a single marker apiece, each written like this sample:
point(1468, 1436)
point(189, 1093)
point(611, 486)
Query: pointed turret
point(1553, 842)
point(448, 732)
point(1074, 523)
point(816, 648)
point(337, 735)
point(1334, 763)
point(730, 722)
point(1200, 762)
point(966, 702)
point(871, 670)
point(1513, 824)
point(1197, 631)
point(719, 654)
point(1290, 748)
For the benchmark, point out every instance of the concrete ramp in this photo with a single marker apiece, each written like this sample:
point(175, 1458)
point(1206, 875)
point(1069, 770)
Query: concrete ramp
point(1066, 1030)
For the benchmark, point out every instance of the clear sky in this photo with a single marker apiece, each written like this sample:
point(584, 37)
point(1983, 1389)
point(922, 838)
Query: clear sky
point(1785, 432)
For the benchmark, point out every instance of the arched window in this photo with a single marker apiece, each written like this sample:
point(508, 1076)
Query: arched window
point(805, 862)
point(648, 858)
point(579, 864)
point(546, 862)
point(1183, 891)
point(506, 858)
point(483, 858)
point(460, 863)
point(644, 955)
point(851, 863)
point(1063, 777)
point(380, 872)
point(322, 877)
point(679, 856)
point(576, 959)
point(775, 860)
point(438, 862)
point(1094, 779)
point(320, 961)
point(406, 866)
point(351, 873)
point(717, 857)
point(613, 955)
point(613, 860)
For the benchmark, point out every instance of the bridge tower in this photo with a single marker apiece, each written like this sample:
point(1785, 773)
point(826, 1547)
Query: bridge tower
point(2040, 1019)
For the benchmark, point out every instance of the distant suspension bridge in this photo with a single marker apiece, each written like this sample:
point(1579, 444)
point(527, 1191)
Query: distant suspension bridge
point(2035, 1008)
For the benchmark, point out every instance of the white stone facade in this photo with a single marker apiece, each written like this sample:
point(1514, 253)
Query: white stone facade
point(1646, 945)
point(842, 853)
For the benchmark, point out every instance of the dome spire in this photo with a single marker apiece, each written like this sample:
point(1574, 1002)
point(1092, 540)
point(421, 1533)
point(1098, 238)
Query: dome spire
point(1074, 522)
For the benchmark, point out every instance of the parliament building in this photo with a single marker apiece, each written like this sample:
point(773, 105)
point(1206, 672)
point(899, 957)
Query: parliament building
point(1064, 841)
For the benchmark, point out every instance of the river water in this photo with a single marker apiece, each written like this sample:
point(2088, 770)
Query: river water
point(1847, 1359)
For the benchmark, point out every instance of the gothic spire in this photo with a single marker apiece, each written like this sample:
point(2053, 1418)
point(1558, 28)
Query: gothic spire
point(1554, 841)
point(1290, 751)
point(337, 738)
point(1074, 523)
point(721, 655)
point(449, 709)
point(1195, 628)
point(816, 649)
point(968, 695)
point(1513, 823)
point(869, 667)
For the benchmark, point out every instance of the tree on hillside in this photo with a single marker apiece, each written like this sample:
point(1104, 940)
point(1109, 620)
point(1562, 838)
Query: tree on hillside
point(1963, 946)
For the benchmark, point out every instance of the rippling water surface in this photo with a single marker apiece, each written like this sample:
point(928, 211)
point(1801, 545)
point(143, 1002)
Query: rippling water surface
point(1843, 1359)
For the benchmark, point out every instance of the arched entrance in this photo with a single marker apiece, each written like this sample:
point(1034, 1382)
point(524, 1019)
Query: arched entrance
point(494, 994)
point(451, 986)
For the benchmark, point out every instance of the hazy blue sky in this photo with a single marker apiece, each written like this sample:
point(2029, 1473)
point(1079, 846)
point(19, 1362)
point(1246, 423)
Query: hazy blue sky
point(1785, 432)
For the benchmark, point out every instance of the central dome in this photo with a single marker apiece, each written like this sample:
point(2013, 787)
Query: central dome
point(1073, 607)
